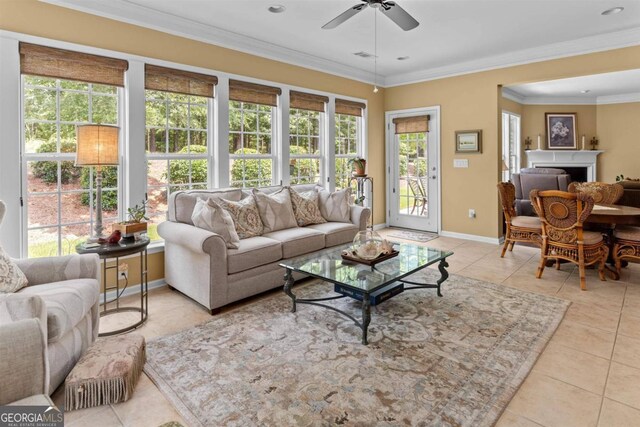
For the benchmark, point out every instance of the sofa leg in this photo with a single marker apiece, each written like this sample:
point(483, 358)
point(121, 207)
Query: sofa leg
point(215, 311)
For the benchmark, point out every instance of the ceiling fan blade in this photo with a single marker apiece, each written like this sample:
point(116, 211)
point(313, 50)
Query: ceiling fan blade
point(400, 16)
point(343, 16)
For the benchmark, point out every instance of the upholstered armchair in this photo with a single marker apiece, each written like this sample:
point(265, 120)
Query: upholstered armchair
point(537, 179)
point(563, 238)
point(519, 228)
point(61, 299)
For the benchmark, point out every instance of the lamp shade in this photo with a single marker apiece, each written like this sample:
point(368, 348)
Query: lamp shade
point(97, 145)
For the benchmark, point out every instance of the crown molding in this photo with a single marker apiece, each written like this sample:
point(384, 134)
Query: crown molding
point(619, 99)
point(513, 95)
point(122, 10)
point(585, 45)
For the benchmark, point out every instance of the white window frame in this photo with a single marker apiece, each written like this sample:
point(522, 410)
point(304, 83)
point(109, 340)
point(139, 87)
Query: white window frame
point(322, 146)
point(358, 141)
point(513, 160)
point(272, 156)
point(59, 157)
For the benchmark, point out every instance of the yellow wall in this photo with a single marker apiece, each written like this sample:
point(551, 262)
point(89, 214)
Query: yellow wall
point(472, 101)
point(619, 135)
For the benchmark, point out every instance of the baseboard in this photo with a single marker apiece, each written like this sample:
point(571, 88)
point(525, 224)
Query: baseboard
point(379, 226)
point(475, 238)
point(135, 289)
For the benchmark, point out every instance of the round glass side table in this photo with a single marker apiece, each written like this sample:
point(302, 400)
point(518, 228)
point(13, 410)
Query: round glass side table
point(116, 251)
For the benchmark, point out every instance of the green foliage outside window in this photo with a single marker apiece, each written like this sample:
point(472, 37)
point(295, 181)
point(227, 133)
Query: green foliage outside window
point(48, 170)
point(179, 169)
point(254, 171)
point(109, 180)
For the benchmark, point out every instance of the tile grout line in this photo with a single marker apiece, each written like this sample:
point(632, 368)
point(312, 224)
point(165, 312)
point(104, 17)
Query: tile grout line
point(613, 349)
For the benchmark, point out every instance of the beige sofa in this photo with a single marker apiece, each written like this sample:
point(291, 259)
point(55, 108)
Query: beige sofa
point(198, 263)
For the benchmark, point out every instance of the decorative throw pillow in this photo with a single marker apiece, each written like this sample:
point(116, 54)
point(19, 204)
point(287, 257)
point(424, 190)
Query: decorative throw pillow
point(245, 215)
point(275, 210)
point(11, 278)
point(335, 206)
point(305, 207)
point(209, 215)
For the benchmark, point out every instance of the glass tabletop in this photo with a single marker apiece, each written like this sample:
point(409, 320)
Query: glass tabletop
point(329, 266)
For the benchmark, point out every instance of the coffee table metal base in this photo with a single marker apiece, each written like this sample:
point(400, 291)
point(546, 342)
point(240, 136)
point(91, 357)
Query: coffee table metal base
point(366, 304)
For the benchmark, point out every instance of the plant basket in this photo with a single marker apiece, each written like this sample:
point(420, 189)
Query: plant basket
point(129, 229)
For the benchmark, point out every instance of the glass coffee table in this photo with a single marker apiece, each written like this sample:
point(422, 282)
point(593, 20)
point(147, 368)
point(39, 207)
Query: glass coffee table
point(370, 284)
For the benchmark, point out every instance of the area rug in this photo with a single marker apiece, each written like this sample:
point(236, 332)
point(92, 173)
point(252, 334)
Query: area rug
point(454, 361)
point(417, 236)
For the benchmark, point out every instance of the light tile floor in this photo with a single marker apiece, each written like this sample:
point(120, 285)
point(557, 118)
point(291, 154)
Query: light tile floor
point(589, 374)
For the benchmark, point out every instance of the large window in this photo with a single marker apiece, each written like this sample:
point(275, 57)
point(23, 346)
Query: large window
point(510, 145)
point(177, 149)
point(60, 196)
point(250, 147)
point(347, 147)
point(305, 148)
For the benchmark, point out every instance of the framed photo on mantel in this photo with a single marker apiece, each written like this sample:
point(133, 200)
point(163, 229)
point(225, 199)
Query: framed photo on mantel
point(561, 131)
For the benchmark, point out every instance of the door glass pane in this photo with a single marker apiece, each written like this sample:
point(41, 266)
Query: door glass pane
point(413, 180)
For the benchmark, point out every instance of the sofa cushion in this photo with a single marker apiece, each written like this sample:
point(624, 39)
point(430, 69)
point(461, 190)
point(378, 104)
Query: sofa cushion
point(526, 221)
point(253, 252)
point(209, 215)
point(627, 233)
point(305, 207)
point(336, 233)
point(335, 206)
point(12, 279)
point(298, 241)
point(246, 217)
point(67, 303)
point(275, 210)
point(181, 203)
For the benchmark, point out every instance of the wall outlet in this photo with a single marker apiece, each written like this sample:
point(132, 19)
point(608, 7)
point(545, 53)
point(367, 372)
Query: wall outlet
point(124, 274)
point(472, 213)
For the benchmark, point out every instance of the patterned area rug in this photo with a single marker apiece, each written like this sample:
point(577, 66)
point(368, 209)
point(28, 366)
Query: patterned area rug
point(455, 360)
point(417, 236)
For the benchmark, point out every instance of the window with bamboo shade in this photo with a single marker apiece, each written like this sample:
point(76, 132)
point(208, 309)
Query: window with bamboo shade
point(414, 124)
point(179, 81)
point(306, 119)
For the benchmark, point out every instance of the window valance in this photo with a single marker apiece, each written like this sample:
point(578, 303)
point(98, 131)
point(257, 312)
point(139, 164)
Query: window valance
point(178, 81)
point(307, 101)
point(351, 108)
point(411, 124)
point(253, 93)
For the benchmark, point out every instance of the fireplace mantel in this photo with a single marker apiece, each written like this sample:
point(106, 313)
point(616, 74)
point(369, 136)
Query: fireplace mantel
point(569, 158)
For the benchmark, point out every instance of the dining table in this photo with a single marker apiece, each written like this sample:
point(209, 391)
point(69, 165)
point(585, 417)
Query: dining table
point(613, 215)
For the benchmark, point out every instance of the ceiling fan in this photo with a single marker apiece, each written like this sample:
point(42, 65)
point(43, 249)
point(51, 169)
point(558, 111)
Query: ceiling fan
point(390, 9)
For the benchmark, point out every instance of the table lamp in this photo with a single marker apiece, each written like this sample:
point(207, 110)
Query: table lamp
point(97, 146)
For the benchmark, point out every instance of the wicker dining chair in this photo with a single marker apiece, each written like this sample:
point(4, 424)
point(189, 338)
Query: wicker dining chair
point(526, 229)
point(626, 245)
point(602, 193)
point(419, 199)
point(563, 238)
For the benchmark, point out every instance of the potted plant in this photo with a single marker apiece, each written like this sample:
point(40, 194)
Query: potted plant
point(359, 165)
point(135, 224)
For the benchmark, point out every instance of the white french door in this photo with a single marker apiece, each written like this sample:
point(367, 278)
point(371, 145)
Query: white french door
point(413, 167)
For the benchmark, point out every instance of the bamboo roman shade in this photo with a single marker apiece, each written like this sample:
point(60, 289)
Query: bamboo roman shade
point(253, 93)
point(411, 124)
point(350, 108)
point(66, 64)
point(307, 101)
point(178, 81)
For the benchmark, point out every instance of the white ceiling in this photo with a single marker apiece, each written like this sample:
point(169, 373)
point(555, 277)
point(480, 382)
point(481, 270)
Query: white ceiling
point(454, 36)
point(621, 86)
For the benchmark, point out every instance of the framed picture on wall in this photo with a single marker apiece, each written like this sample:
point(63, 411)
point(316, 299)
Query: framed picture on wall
point(561, 131)
point(469, 141)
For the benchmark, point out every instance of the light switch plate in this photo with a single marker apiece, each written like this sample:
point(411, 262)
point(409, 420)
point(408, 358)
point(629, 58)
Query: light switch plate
point(460, 163)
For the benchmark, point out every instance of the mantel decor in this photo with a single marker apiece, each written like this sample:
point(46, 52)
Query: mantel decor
point(561, 131)
point(469, 141)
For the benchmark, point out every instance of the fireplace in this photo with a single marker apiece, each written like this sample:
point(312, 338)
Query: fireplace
point(578, 173)
point(580, 164)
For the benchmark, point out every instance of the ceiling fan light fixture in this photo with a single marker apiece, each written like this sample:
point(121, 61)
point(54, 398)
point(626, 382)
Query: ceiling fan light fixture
point(375, 89)
point(613, 11)
point(276, 8)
